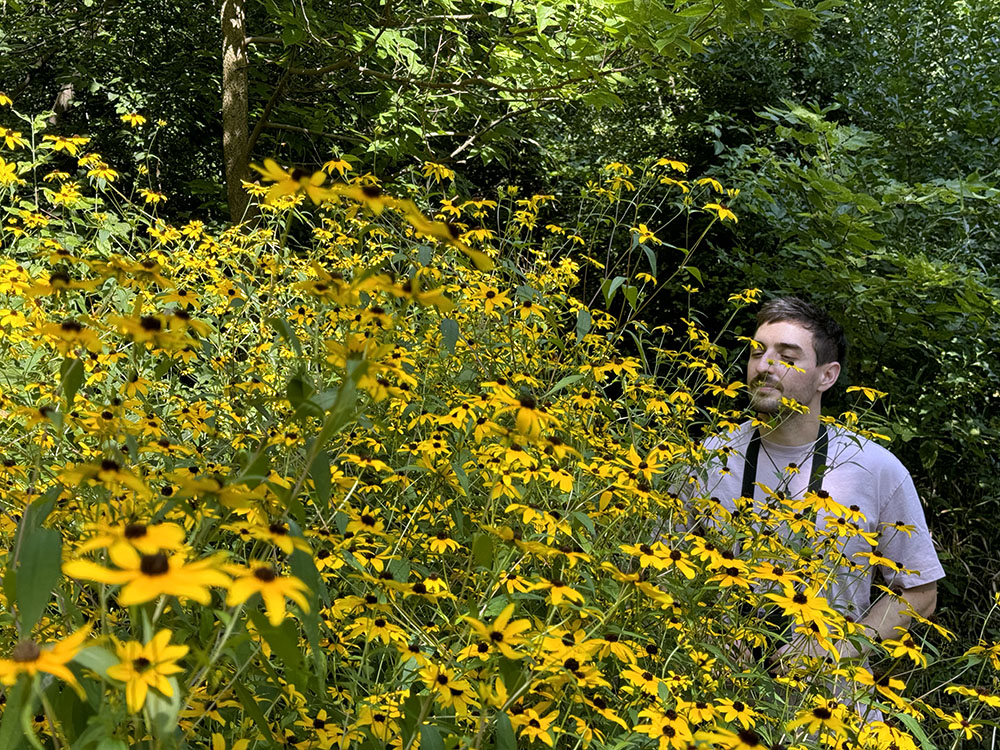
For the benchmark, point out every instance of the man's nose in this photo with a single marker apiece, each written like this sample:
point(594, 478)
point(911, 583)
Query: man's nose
point(765, 365)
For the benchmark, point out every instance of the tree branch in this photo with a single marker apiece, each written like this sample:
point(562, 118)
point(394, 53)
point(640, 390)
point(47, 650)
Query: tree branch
point(278, 90)
point(475, 136)
point(317, 133)
point(460, 86)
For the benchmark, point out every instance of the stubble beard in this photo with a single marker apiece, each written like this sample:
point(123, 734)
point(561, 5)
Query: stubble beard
point(769, 403)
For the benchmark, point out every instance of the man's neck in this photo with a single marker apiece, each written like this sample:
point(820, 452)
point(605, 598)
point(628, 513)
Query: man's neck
point(791, 429)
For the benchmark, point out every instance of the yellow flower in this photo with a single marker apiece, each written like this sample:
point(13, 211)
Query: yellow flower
point(134, 119)
point(109, 473)
point(643, 234)
point(723, 211)
point(30, 658)
point(102, 171)
point(670, 728)
point(533, 726)
point(339, 164)
point(745, 739)
point(69, 144)
point(151, 196)
point(439, 172)
point(803, 606)
point(290, 183)
point(146, 666)
point(869, 393)
point(905, 646)
point(960, 724)
point(8, 173)
point(559, 591)
point(731, 710)
point(5, 100)
point(502, 635)
point(70, 334)
point(273, 589)
point(825, 715)
point(147, 539)
point(148, 576)
point(12, 138)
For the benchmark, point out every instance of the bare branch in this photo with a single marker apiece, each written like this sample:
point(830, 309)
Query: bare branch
point(466, 84)
point(316, 133)
point(475, 136)
point(259, 127)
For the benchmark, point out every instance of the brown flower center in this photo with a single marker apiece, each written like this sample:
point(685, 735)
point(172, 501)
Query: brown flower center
point(154, 565)
point(25, 651)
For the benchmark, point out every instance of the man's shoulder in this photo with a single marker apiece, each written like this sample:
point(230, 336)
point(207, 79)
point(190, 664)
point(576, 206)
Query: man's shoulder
point(848, 446)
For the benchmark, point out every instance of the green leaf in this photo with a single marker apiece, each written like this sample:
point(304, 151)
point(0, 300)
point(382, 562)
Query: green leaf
point(97, 659)
point(299, 389)
point(651, 257)
point(482, 550)
point(504, 732)
point(303, 567)
point(632, 295)
point(319, 471)
point(430, 738)
point(916, 730)
point(610, 287)
point(563, 382)
point(71, 377)
point(163, 710)
point(449, 333)
point(695, 273)
point(11, 731)
point(249, 704)
point(283, 640)
point(284, 329)
point(38, 571)
point(583, 322)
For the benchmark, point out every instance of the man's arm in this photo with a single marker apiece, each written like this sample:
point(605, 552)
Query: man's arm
point(888, 613)
point(884, 616)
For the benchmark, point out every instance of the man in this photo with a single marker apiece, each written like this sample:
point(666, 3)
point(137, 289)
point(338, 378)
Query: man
point(796, 358)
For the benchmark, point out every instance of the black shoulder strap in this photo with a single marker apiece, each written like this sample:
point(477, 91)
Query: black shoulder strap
point(819, 460)
point(820, 451)
point(750, 464)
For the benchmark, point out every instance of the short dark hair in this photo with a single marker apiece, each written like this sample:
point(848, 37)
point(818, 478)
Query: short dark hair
point(828, 336)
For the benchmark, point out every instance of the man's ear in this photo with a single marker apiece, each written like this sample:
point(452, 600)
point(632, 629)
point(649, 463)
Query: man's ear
point(828, 376)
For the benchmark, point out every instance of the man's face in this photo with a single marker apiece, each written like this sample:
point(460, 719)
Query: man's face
point(785, 366)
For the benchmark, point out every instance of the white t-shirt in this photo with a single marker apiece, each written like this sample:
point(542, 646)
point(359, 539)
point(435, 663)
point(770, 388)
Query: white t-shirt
point(860, 475)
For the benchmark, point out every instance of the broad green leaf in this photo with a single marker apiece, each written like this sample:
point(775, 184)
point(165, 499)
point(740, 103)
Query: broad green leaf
point(505, 738)
point(651, 257)
point(284, 329)
point(319, 471)
point(583, 322)
point(449, 333)
point(482, 550)
point(97, 659)
point(563, 382)
point(610, 287)
point(430, 738)
point(71, 377)
point(249, 704)
point(11, 731)
point(38, 572)
point(163, 710)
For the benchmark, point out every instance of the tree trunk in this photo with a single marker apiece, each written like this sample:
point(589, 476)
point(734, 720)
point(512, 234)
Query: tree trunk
point(62, 103)
point(234, 106)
